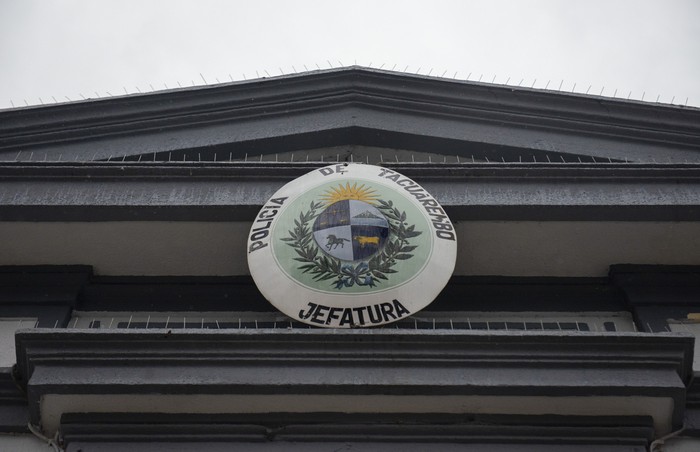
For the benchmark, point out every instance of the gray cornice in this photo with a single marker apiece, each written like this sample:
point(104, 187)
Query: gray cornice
point(354, 363)
point(236, 191)
point(367, 104)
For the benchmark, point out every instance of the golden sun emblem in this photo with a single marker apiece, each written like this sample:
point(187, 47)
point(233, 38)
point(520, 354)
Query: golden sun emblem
point(341, 193)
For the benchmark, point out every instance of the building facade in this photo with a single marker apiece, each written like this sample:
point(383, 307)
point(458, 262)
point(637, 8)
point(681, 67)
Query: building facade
point(130, 320)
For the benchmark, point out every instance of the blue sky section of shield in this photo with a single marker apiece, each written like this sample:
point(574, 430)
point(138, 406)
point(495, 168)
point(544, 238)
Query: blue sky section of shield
point(351, 230)
point(336, 241)
point(332, 231)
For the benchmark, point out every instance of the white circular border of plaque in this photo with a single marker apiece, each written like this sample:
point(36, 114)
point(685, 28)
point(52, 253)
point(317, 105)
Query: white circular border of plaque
point(351, 245)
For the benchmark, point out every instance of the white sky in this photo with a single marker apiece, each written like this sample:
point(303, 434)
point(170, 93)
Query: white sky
point(54, 49)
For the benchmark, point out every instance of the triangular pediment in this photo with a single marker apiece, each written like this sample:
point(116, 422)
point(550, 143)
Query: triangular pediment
point(406, 116)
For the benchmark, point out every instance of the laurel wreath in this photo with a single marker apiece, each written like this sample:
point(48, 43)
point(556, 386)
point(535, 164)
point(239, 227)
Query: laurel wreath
point(369, 273)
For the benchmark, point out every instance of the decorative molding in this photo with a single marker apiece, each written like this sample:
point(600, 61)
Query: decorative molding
point(301, 430)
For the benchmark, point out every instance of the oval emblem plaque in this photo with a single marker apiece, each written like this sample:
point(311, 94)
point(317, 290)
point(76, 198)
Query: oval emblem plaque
point(351, 245)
